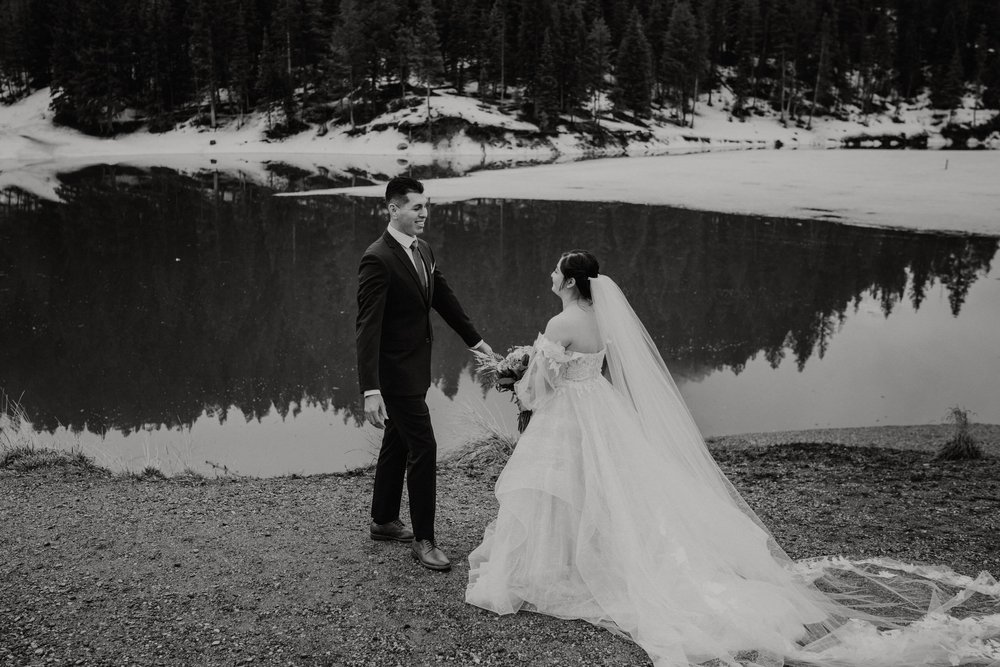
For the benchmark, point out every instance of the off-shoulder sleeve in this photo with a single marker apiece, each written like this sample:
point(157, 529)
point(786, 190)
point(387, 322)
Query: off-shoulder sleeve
point(538, 381)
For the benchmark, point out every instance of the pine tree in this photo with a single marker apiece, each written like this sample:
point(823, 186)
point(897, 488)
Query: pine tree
point(272, 82)
point(313, 29)
point(150, 56)
point(529, 44)
point(135, 46)
point(746, 54)
point(495, 48)
point(203, 56)
point(592, 11)
point(909, 55)
point(618, 14)
point(455, 30)
point(991, 81)
point(65, 60)
point(12, 71)
point(347, 55)
point(822, 66)
point(597, 64)
point(715, 31)
point(555, 28)
point(949, 86)
point(547, 94)
point(574, 44)
point(406, 52)
point(701, 63)
point(783, 35)
point(657, 22)
point(883, 50)
point(376, 23)
point(178, 88)
point(93, 79)
point(283, 38)
point(241, 66)
point(427, 63)
point(682, 58)
point(38, 42)
point(982, 51)
point(634, 71)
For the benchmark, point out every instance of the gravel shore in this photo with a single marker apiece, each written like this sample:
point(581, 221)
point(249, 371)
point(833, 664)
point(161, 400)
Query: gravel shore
point(98, 569)
point(910, 438)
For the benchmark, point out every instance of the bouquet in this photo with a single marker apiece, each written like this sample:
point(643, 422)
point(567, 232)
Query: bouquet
point(502, 373)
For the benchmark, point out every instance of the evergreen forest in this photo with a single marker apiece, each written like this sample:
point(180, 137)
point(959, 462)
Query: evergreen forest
point(114, 65)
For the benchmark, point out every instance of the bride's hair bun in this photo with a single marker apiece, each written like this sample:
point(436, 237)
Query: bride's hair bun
point(581, 266)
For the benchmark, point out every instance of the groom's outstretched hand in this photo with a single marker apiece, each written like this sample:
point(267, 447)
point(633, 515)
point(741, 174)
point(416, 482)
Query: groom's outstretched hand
point(484, 347)
point(375, 410)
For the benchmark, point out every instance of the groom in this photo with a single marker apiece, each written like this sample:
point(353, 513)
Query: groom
point(398, 284)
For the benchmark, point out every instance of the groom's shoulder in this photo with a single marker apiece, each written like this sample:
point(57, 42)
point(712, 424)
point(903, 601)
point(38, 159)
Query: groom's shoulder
point(378, 247)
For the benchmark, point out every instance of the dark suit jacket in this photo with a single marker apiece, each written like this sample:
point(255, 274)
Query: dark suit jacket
point(394, 328)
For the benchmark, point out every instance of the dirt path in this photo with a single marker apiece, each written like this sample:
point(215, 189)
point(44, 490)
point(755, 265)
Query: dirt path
point(104, 570)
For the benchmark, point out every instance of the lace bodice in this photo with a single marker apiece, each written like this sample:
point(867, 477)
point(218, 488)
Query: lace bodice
point(568, 366)
point(554, 368)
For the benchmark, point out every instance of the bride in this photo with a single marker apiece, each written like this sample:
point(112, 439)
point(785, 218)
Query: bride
point(613, 511)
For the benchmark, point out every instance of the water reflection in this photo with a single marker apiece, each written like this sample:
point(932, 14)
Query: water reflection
point(152, 298)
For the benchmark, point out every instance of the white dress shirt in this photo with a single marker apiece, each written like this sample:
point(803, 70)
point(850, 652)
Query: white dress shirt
point(406, 241)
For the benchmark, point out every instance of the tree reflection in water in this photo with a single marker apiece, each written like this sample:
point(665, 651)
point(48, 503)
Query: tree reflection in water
point(149, 296)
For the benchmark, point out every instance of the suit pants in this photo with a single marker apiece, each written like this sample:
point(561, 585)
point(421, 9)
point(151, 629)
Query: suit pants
point(408, 446)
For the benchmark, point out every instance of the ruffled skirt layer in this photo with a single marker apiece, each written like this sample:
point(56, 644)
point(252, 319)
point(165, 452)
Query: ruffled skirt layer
point(597, 523)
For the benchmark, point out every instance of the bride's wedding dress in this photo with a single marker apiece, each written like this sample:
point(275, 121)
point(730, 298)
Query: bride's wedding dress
point(613, 511)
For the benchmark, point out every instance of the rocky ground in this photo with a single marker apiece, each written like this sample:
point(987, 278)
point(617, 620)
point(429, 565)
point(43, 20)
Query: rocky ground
point(97, 569)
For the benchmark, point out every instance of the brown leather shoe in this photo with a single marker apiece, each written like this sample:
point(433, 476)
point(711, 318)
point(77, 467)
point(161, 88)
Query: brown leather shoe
point(394, 531)
point(430, 556)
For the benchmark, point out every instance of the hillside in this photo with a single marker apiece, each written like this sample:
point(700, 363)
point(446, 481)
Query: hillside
point(468, 134)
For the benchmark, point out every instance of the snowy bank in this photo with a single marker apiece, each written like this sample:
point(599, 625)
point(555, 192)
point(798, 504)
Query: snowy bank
point(954, 191)
point(908, 189)
point(28, 135)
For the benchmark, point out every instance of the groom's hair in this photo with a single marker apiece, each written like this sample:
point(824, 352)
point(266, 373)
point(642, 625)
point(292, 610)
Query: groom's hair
point(400, 186)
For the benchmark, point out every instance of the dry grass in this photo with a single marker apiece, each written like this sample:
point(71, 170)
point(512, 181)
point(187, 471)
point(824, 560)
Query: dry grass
point(14, 432)
point(962, 446)
point(489, 447)
point(19, 451)
point(26, 459)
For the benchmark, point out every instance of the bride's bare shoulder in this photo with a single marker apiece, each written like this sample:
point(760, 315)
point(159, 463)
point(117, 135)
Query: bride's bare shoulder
point(559, 329)
point(574, 329)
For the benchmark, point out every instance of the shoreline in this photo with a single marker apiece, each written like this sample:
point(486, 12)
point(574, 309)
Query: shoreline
point(103, 569)
point(922, 438)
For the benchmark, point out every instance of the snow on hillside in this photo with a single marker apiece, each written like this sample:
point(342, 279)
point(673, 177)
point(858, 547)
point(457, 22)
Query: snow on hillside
point(868, 189)
point(27, 134)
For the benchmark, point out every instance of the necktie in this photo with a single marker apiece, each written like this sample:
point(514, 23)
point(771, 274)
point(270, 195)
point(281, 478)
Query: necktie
point(419, 265)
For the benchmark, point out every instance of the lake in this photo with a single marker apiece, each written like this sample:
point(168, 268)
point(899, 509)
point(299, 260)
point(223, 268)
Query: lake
point(157, 318)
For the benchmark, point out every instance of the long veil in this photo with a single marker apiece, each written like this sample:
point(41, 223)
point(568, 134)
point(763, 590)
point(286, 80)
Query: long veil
point(861, 598)
point(638, 371)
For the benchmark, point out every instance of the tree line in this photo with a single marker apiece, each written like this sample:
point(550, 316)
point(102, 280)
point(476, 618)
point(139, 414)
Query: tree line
point(314, 61)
